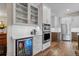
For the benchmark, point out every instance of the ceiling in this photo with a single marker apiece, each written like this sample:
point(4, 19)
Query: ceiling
point(60, 9)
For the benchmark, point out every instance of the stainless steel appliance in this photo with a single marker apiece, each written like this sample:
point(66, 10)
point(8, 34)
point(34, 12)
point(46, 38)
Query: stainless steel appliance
point(46, 27)
point(46, 33)
point(46, 36)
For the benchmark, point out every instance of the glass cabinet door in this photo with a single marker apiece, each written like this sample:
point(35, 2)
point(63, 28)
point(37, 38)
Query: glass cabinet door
point(21, 13)
point(34, 15)
point(25, 14)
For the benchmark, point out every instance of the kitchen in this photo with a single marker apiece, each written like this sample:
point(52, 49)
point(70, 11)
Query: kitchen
point(32, 28)
point(26, 26)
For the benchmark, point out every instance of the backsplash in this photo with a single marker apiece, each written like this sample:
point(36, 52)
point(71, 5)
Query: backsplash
point(23, 31)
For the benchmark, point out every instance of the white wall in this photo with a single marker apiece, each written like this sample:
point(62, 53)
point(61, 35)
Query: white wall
point(3, 14)
point(55, 22)
point(10, 47)
point(3, 9)
point(75, 22)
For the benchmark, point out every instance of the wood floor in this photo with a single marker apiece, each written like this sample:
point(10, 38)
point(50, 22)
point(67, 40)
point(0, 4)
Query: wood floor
point(63, 48)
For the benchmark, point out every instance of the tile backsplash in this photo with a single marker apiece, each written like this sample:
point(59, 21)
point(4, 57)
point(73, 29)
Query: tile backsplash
point(23, 31)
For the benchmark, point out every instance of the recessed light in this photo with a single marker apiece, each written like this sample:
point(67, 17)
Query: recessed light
point(67, 9)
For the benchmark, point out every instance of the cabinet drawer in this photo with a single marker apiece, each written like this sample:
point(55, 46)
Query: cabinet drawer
point(3, 41)
point(3, 36)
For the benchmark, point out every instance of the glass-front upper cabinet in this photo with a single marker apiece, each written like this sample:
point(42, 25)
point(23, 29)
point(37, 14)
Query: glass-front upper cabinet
point(25, 13)
point(34, 15)
point(21, 13)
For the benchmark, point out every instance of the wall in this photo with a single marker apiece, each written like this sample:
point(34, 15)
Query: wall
point(10, 47)
point(75, 22)
point(3, 9)
point(59, 9)
point(3, 14)
point(55, 22)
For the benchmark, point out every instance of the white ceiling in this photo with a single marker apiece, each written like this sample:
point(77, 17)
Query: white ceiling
point(59, 9)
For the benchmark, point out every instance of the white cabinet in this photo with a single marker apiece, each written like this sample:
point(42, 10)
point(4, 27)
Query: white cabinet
point(25, 13)
point(49, 16)
point(46, 15)
point(37, 44)
point(20, 13)
point(34, 15)
point(46, 45)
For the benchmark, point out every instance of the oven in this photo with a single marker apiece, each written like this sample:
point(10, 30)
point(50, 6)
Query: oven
point(46, 33)
point(46, 36)
point(46, 27)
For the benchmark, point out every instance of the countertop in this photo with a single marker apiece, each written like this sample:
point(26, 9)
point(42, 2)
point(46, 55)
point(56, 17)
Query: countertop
point(24, 31)
point(78, 33)
point(59, 30)
point(3, 33)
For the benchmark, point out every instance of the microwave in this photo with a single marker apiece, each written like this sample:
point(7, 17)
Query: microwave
point(46, 27)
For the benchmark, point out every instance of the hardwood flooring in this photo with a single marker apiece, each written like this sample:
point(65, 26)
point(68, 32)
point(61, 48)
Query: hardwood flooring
point(62, 48)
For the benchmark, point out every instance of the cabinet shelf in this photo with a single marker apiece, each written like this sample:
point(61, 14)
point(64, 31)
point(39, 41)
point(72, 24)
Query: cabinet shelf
point(34, 15)
point(20, 11)
point(33, 8)
point(19, 5)
point(33, 11)
point(24, 4)
point(21, 20)
point(26, 13)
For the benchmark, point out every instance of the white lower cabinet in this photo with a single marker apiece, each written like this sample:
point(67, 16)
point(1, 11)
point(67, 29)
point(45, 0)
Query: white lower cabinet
point(46, 45)
point(37, 44)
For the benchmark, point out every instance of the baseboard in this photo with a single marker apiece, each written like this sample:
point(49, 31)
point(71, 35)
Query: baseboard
point(66, 40)
point(40, 53)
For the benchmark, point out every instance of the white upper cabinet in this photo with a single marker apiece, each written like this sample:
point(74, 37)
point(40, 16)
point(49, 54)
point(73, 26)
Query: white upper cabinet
point(20, 13)
point(49, 16)
point(34, 14)
point(25, 13)
point(46, 15)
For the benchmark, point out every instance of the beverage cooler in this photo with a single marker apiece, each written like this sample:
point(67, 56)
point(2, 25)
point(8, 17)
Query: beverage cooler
point(24, 46)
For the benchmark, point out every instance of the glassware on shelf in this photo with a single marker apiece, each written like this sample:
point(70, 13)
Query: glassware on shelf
point(34, 15)
point(2, 26)
point(21, 13)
